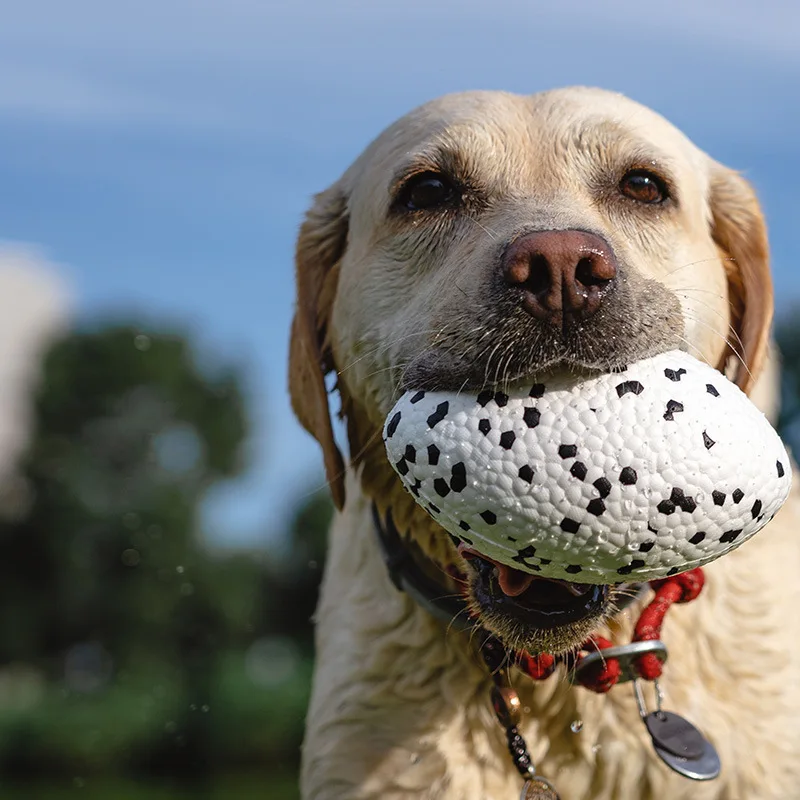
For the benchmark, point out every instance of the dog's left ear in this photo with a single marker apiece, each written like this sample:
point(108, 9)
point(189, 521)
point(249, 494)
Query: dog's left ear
point(320, 246)
point(738, 228)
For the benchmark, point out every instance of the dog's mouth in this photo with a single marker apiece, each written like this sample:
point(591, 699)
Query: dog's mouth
point(531, 612)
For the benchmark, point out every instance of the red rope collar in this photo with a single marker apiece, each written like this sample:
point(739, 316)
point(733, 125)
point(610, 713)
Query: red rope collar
point(602, 676)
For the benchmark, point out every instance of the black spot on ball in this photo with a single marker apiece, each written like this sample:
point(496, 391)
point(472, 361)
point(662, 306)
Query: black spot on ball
point(674, 375)
point(441, 487)
point(568, 450)
point(433, 455)
point(756, 509)
point(603, 485)
point(484, 426)
point(489, 517)
point(415, 488)
point(674, 570)
point(596, 507)
point(651, 528)
point(573, 569)
point(484, 397)
point(718, 497)
point(708, 442)
point(537, 390)
point(463, 525)
point(628, 568)
point(438, 415)
point(666, 507)
point(410, 453)
point(569, 525)
point(729, 536)
point(507, 439)
point(525, 553)
point(628, 476)
point(711, 389)
point(626, 387)
point(393, 423)
point(646, 547)
point(466, 540)
point(737, 495)
point(501, 399)
point(697, 538)
point(526, 473)
point(417, 397)
point(545, 560)
point(673, 407)
point(434, 508)
point(531, 417)
point(779, 467)
point(511, 538)
point(683, 501)
point(402, 467)
point(578, 470)
point(458, 477)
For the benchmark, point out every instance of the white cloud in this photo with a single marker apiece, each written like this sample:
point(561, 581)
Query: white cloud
point(34, 308)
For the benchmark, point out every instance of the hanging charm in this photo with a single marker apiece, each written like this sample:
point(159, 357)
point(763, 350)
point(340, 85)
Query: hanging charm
point(508, 710)
point(676, 741)
point(538, 789)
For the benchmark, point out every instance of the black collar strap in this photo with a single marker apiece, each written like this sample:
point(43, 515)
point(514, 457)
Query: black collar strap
point(407, 576)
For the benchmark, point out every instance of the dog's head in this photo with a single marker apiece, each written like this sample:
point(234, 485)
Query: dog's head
point(486, 237)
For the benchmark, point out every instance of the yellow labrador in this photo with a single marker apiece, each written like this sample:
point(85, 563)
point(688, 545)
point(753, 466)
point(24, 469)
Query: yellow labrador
point(453, 253)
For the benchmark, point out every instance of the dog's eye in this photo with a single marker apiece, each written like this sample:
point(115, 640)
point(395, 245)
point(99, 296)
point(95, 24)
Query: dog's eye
point(425, 191)
point(644, 187)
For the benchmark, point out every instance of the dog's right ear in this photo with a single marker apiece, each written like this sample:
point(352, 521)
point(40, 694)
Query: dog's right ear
point(738, 228)
point(320, 246)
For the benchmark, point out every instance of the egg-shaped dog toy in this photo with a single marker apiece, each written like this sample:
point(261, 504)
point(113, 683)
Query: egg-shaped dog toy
point(633, 475)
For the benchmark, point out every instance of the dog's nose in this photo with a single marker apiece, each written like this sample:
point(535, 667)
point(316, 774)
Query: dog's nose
point(563, 275)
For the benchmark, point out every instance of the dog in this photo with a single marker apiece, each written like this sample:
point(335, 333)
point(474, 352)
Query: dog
point(452, 254)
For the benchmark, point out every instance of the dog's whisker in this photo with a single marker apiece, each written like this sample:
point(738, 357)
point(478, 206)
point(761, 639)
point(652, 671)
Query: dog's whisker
point(384, 347)
point(730, 345)
point(674, 270)
point(490, 233)
point(731, 329)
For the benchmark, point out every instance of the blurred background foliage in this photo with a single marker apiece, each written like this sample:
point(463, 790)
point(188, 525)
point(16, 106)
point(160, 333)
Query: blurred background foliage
point(134, 661)
point(128, 649)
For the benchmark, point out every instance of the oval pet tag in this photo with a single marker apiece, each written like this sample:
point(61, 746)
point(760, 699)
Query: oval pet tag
point(676, 741)
point(681, 746)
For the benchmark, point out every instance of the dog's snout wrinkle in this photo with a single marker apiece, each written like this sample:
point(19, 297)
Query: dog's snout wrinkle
point(564, 275)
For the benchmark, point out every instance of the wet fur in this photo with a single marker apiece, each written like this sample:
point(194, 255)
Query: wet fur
point(389, 301)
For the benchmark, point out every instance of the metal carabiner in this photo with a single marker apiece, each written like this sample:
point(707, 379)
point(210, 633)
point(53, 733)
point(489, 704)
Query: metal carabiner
point(626, 654)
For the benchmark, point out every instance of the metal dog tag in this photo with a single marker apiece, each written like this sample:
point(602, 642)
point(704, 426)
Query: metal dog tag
point(677, 742)
point(538, 789)
point(674, 734)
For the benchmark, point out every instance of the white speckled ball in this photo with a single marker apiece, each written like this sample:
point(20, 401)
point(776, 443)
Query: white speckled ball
point(628, 476)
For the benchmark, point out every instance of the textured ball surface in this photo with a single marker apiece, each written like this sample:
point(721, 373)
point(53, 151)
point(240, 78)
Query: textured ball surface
point(633, 475)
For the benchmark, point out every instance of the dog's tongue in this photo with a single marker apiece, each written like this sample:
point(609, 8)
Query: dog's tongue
point(514, 582)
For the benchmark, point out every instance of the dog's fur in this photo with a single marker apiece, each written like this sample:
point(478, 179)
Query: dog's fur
point(390, 299)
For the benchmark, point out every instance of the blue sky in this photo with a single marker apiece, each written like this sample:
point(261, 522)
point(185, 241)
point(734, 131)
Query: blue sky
point(162, 154)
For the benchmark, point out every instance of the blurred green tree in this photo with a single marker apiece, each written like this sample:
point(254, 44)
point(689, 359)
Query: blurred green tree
point(128, 436)
point(146, 653)
point(104, 583)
